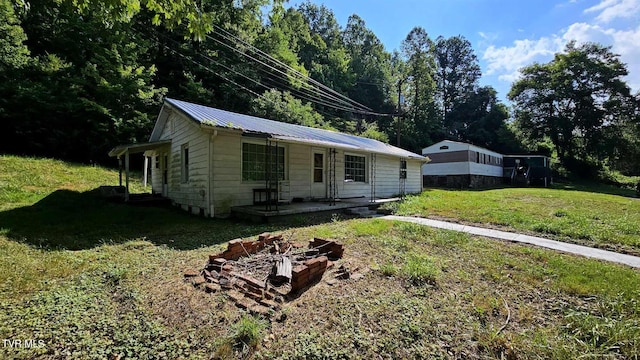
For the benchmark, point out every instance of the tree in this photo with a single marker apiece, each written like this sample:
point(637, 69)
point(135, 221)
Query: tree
point(486, 120)
point(369, 65)
point(282, 106)
point(87, 89)
point(457, 77)
point(195, 18)
point(572, 100)
point(422, 125)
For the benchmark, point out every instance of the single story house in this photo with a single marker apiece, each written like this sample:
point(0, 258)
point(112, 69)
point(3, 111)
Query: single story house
point(208, 160)
point(461, 165)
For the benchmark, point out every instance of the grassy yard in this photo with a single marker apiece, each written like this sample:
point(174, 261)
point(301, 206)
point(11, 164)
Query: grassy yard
point(92, 279)
point(592, 215)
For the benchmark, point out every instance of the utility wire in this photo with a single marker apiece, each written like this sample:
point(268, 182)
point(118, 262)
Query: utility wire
point(229, 36)
point(300, 94)
point(227, 79)
point(271, 67)
point(334, 94)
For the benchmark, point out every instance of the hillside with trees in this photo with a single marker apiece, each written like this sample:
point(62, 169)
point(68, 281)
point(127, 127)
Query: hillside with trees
point(79, 77)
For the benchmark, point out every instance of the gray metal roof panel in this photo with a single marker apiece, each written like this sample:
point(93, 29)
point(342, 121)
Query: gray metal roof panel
point(226, 119)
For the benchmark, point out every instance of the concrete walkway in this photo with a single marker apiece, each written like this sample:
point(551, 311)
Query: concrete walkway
point(633, 261)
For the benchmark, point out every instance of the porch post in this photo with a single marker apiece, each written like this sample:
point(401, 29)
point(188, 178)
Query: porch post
point(120, 170)
point(126, 170)
point(145, 170)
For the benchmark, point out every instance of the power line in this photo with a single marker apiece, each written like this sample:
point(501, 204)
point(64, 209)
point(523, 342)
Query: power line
point(229, 80)
point(300, 94)
point(227, 35)
point(273, 68)
point(324, 88)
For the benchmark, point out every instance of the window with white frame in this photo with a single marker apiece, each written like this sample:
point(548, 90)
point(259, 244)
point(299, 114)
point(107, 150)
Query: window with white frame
point(355, 168)
point(254, 162)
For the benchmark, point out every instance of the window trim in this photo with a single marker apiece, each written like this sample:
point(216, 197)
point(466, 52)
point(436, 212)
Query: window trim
point(366, 168)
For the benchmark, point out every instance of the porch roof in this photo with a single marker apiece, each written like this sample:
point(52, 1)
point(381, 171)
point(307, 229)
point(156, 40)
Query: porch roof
point(137, 148)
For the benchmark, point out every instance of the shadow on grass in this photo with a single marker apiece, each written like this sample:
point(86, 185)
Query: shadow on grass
point(75, 221)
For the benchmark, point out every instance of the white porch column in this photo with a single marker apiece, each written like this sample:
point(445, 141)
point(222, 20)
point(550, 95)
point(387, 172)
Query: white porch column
point(145, 171)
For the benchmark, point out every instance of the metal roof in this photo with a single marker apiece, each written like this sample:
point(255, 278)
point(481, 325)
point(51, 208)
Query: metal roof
point(284, 131)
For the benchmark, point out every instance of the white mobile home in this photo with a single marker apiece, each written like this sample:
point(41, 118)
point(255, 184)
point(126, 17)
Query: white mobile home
point(460, 165)
point(208, 160)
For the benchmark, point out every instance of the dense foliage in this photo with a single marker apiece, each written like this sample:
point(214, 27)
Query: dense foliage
point(580, 103)
point(78, 77)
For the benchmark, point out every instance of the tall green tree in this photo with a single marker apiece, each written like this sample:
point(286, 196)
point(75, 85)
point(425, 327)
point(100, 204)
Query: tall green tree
point(88, 89)
point(369, 65)
point(457, 78)
point(486, 121)
point(422, 123)
point(573, 100)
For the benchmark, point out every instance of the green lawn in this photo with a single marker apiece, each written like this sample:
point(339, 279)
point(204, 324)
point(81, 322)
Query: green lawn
point(584, 215)
point(93, 279)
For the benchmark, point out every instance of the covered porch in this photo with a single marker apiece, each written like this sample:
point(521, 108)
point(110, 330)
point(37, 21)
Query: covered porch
point(124, 151)
point(263, 213)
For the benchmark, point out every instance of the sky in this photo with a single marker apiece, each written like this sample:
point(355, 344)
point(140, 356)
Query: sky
point(505, 34)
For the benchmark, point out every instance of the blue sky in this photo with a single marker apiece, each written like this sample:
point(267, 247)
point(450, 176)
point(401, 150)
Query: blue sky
point(506, 35)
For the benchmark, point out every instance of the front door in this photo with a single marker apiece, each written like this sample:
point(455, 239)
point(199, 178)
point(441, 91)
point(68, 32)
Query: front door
point(318, 174)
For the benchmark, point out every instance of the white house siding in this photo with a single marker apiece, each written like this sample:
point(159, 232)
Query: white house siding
point(228, 187)
point(299, 170)
point(156, 173)
point(414, 177)
point(452, 146)
point(387, 179)
point(443, 169)
point(193, 194)
point(485, 170)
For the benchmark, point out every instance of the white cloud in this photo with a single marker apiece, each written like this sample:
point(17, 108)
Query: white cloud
point(622, 42)
point(505, 61)
point(609, 10)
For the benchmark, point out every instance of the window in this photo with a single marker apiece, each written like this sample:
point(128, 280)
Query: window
point(354, 168)
point(403, 169)
point(444, 147)
point(254, 160)
point(185, 163)
point(157, 161)
point(318, 168)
